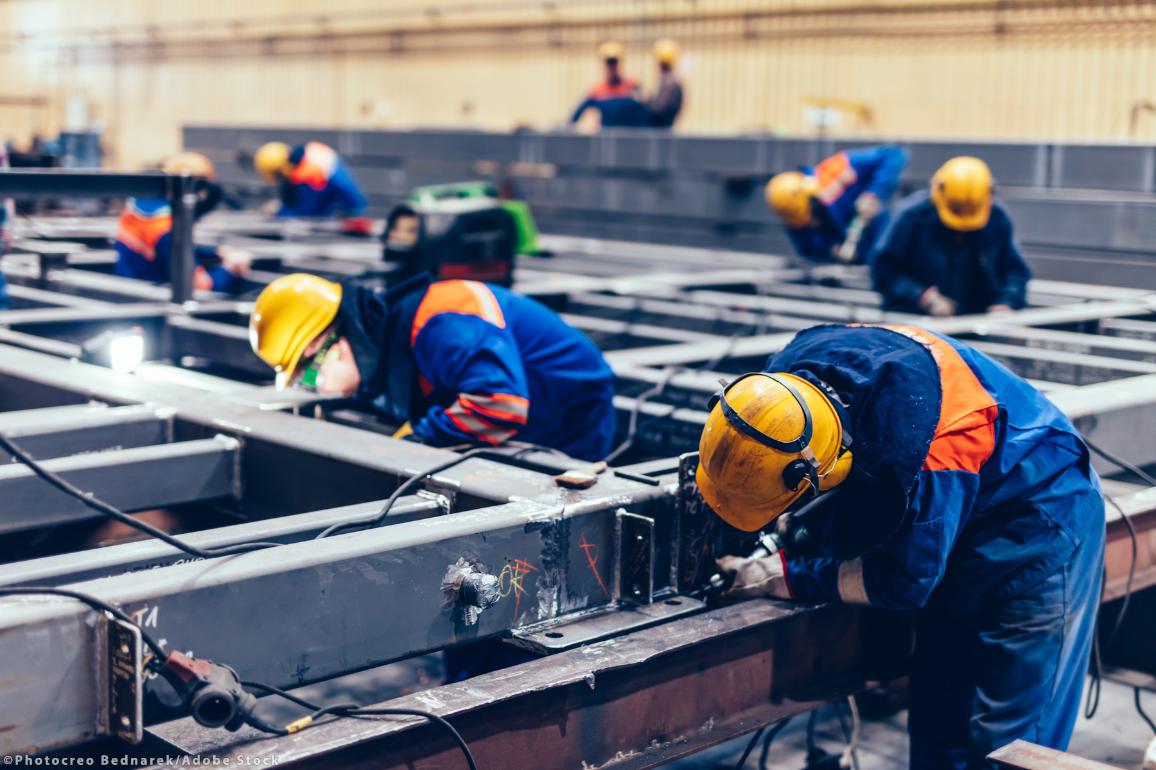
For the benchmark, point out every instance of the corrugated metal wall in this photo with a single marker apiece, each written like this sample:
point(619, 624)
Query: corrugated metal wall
point(932, 68)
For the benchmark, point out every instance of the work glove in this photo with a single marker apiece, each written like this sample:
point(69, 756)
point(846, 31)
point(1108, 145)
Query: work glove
point(1000, 308)
point(868, 206)
point(935, 304)
point(755, 576)
point(236, 261)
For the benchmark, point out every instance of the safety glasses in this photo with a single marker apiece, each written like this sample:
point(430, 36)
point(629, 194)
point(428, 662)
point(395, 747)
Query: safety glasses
point(309, 373)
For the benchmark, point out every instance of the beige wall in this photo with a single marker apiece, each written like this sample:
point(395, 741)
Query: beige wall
point(948, 68)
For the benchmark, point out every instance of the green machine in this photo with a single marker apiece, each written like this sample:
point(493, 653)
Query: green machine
point(527, 229)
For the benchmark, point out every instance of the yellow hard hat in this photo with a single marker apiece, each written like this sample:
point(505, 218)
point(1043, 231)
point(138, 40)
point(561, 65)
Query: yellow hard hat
point(191, 163)
point(611, 49)
point(962, 190)
point(768, 439)
point(271, 160)
point(789, 195)
point(666, 51)
point(291, 312)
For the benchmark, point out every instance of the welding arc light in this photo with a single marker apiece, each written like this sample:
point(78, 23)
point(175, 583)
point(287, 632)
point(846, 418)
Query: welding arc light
point(121, 350)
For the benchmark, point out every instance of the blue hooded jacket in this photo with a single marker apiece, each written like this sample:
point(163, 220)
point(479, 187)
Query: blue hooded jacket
point(842, 178)
point(468, 362)
point(319, 185)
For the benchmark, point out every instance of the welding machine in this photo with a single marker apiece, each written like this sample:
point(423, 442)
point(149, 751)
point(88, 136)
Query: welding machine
point(468, 238)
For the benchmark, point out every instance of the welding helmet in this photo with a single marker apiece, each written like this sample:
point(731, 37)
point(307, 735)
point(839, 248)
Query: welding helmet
point(962, 191)
point(666, 51)
point(611, 50)
point(768, 440)
point(789, 195)
point(272, 160)
point(191, 163)
point(291, 312)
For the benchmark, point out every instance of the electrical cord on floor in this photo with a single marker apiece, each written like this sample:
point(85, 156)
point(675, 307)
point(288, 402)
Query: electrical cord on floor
point(750, 747)
point(1141, 712)
point(109, 511)
point(351, 710)
point(765, 752)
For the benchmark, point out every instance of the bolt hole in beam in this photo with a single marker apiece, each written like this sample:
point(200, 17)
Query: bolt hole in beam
point(555, 634)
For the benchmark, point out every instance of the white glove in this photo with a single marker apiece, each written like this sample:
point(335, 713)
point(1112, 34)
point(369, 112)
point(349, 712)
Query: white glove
point(755, 576)
point(936, 304)
point(1150, 756)
point(236, 261)
point(868, 206)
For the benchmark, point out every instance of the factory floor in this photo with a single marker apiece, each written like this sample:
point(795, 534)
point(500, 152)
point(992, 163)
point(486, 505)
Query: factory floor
point(1116, 736)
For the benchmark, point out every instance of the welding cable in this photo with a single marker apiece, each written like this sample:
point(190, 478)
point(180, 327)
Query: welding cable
point(93, 602)
point(402, 488)
point(1121, 463)
point(771, 735)
point(103, 508)
point(636, 410)
point(349, 710)
point(750, 747)
point(1140, 710)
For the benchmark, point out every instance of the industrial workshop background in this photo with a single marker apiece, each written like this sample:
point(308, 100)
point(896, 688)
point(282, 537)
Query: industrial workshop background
point(1003, 69)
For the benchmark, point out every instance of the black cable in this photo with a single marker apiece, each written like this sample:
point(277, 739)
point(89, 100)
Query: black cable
point(750, 747)
point(1122, 463)
point(352, 710)
point(103, 508)
point(1131, 573)
point(404, 487)
point(91, 601)
point(1140, 710)
point(766, 750)
point(636, 410)
point(812, 721)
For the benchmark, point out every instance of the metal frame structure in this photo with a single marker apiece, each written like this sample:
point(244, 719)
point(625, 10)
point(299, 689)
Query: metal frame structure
point(618, 622)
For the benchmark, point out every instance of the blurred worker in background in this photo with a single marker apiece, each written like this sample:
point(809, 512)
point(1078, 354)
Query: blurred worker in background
point(617, 97)
point(312, 180)
point(7, 215)
point(951, 251)
point(667, 100)
point(838, 209)
point(144, 238)
point(459, 361)
point(941, 483)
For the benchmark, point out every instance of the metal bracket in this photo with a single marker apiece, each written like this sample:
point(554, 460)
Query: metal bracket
point(635, 557)
point(555, 636)
point(122, 715)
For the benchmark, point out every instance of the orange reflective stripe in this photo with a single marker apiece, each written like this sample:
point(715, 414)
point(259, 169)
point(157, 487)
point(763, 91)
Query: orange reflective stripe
point(141, 232)
point(834, 175)
point(965, 436)
point(603, 90)
point(475, 426)
point(464, 297)
point(316, 166)
point(491, 406)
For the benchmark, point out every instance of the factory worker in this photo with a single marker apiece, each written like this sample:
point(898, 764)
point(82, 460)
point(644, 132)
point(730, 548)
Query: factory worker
point(950, 250)
point(312, 180)
point(616, 98)
point(144, 238)
point(838, 209)
point(942, 483)
point(460, 361)
point(667, 100)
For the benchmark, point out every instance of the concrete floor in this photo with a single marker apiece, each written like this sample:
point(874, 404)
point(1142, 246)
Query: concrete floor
point(1116, 736)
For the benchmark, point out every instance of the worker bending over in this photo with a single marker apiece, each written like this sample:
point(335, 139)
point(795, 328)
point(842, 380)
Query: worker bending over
point(952, 251)
point(461, 361)
point(944, 484)
point(838, 209)
point(144, 238)
point(312, 180)
point(616, 98)
point(667, 100)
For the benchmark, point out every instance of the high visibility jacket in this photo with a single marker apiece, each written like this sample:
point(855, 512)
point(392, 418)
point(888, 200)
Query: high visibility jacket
point(966, 481)
point(842, 178)
point(144, 248)
point(618, 105)
point(319, 184)
point(976, 269)
point(468, 362)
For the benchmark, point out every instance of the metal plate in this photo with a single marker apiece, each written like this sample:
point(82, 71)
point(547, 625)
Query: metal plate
point(603, 625)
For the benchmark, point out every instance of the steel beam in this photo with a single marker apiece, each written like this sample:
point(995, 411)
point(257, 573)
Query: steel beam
point(130, 479)
point(632, 702)
point(47, 433)
point(352, 601)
